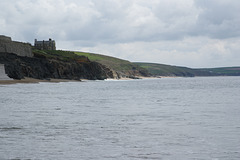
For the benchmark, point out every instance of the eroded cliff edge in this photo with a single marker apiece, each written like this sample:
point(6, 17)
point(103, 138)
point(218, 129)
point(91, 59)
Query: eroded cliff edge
point(44, 67)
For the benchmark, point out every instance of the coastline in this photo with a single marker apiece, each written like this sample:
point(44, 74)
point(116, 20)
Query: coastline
point(33, 80)
point(138, 78)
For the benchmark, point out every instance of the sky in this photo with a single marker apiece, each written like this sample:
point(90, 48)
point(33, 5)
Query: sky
point(191, 33)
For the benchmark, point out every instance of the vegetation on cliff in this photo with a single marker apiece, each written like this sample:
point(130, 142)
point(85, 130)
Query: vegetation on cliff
point(53, 64)
point(223, 71)
point(66, 56)
point(122, 68)
point(168, 70)
point(119, 68)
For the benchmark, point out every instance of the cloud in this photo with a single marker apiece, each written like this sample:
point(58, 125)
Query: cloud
point(218, 18)
point(187, 32)
point(114, 21)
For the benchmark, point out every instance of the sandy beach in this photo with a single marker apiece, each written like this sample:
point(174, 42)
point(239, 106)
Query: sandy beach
point(32, 80)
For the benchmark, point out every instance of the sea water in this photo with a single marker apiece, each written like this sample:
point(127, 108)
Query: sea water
point(167, 118)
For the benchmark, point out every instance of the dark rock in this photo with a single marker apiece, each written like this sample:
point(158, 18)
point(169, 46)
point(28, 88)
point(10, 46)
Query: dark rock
point(17, 67)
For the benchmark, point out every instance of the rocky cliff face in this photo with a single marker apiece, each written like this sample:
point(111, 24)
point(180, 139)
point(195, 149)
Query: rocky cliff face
point(132, 74)
point(18, 67)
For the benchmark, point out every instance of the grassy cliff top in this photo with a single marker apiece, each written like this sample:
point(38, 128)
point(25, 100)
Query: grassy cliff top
point(112, 62)
point(122, 67)
point(226, 71)
point(60, 55)
point(168, 70)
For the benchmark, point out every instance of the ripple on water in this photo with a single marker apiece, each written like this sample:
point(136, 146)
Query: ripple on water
point(154, 119)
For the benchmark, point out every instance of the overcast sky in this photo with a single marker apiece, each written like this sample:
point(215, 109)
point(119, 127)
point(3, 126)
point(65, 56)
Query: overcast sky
point(192, 33)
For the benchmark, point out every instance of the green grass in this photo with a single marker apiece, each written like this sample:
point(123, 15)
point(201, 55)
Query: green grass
point(114, 63)
point(166, 70)
point(60, 55)
point(122, 67)
point(119, 65)
point(224, 70)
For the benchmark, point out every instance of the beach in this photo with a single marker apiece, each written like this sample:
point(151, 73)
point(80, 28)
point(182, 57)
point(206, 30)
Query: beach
point(33, 80)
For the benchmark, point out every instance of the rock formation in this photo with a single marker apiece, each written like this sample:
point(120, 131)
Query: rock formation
point(18, 67)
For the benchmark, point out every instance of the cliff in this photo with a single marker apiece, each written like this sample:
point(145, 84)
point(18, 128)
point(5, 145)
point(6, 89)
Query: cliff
point(45, 67)
point(121, 68)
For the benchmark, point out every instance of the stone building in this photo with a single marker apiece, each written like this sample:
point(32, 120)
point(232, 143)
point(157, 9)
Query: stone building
point(18, 48)
point(45, 45)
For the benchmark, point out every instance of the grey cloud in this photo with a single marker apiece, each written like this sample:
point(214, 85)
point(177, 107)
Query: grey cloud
point(218, 18)
point(108, 21)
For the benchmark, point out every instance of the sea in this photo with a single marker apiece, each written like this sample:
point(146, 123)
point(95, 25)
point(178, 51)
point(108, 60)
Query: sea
point(154, 119)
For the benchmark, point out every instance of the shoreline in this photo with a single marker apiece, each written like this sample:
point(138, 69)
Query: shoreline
point(137, 78)
point(33, 80)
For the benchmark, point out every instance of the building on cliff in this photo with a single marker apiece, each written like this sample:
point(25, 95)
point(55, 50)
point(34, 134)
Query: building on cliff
point(18, 48)
point(45, 45)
